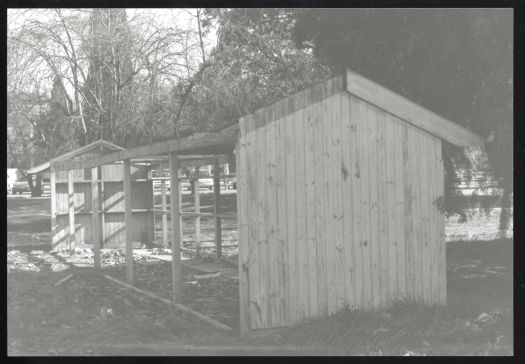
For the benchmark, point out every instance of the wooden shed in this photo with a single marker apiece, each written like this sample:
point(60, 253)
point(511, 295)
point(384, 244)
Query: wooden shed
point(71, 201)
point(337, 191)
point(336, 201)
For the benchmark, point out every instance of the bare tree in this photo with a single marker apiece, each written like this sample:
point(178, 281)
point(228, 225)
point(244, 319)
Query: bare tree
point(120, 73)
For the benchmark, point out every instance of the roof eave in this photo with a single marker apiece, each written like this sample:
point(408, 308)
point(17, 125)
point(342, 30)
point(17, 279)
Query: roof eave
point(409, 111)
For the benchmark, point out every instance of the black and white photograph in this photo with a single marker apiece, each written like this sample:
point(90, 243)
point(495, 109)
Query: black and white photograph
point(260, 181)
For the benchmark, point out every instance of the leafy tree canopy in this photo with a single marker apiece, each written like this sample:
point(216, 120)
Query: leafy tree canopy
point(456, 62)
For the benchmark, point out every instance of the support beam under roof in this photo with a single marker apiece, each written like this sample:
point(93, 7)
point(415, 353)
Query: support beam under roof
point(219, 143)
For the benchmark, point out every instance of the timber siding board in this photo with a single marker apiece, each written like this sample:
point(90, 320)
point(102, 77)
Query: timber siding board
point(242, 216)
point(354, 175)
point(328, 204)
point(320, 234)
point(399, 209)
point(302, 249)
point(280, 183)
point(290, 217)
point(364, 142)
point(261, 302)
point(391, 240)
point(339, 248)
point(347, 200)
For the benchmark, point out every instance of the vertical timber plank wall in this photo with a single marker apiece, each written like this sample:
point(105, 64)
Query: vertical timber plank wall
point(111, 207)
point(345, 192)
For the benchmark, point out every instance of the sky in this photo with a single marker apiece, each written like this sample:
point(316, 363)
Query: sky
point(167, 17)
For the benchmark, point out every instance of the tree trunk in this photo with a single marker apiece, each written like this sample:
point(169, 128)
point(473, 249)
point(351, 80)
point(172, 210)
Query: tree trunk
point(36, 187)
point(504, 217)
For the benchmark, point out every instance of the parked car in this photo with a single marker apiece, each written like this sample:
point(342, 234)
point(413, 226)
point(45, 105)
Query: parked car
point(205, 180)
point(46, 188)
point(157, 185)
point(232, 184)
point(20, 187)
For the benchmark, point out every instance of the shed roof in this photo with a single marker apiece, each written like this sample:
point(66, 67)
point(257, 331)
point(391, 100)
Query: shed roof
point(379, 96)
point(194, 147)
point(97, 148)
point(409, 111)
point(223, 142)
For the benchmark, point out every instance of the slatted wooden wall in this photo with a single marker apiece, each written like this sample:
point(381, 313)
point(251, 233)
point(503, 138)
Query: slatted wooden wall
point(112, 205)
point(336, 207)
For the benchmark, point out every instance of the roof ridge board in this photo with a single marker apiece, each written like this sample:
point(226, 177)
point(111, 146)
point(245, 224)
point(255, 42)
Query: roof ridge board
point(85, 148)
point(298, 100)
point(409, 111)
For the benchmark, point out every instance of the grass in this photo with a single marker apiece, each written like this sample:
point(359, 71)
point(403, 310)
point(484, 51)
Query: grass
point(477, 320)
point(406, 328)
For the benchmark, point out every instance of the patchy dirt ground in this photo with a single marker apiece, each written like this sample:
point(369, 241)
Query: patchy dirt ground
point(87, 315)
point(215, 297)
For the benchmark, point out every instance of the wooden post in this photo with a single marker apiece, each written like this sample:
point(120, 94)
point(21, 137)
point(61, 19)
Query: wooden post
point(52, 181)
point(153, 217)
point(164, 213)
point(197, 202)
point(71, 204)
point(175, 228)
point(102, 206)
point(217, 203)
point(128, 223)
point(95, 206)
point(181, 224)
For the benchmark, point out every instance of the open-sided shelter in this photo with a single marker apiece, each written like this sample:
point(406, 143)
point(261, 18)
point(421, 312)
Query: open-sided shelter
point(71, 201)
point(337, 190)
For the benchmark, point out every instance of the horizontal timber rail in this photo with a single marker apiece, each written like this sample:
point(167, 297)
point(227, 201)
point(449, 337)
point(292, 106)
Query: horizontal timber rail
point(89, 212)
point(220, 142)
point(101, 180)
point(157, 349)
point(183, 214)
point(187, 310)
point(199, 178)
point(195, 214)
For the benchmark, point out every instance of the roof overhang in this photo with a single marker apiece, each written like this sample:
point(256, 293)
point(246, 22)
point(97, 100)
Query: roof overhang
point(41, 168)
point(99, 146)
point(409, 111)
point(359, 86)
point(216, 143)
